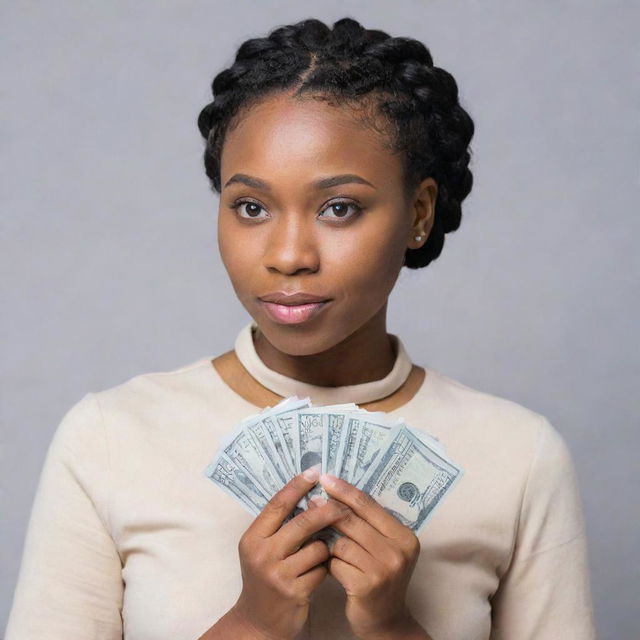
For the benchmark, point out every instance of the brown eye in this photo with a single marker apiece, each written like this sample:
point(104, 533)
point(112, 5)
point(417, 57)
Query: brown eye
point(340, 210)
point(252, 210)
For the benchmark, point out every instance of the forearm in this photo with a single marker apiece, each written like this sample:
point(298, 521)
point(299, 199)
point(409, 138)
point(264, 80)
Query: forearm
point(232, 625)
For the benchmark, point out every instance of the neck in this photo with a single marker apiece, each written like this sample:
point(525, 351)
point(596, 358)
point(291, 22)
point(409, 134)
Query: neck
point(364, 356)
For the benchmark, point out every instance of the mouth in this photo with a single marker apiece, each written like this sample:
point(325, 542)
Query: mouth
point(292, 309)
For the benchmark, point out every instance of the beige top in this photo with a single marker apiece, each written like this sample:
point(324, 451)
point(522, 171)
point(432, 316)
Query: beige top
point(127, 538)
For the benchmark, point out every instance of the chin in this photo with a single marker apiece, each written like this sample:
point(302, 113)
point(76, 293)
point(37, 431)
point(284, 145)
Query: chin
point(304, 339)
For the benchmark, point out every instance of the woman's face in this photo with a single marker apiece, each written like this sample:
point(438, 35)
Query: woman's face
point(312, 204)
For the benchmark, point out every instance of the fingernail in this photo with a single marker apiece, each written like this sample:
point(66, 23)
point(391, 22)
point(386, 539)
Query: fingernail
point(318, 501)
point(327, 481)
point(312, 473)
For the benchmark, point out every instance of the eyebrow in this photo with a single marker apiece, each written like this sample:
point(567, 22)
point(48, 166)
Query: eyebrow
point(323, 183)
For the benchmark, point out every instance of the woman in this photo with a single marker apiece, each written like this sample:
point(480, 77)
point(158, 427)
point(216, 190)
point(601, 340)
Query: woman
point(340, 155)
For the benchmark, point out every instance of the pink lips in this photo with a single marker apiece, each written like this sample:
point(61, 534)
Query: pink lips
point(292, 308)
point(292, 314)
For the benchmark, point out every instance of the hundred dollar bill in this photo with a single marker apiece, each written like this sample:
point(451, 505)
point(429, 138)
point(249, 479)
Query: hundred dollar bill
point(409, 479)
point(371, 436)
point(242, 449)
point(308, 434)
point(235, 482)
point(263, 429)
point(349, 438)
point(261, 434)
point(308, 439)
point(285, 423)
point(331, 439)
point(277, 447)
point(404, 469)
point(332, 426)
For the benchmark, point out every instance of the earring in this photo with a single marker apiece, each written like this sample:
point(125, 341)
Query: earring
point(417, 238)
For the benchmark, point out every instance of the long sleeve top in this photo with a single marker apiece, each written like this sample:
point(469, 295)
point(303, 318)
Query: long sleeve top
point(128, 539)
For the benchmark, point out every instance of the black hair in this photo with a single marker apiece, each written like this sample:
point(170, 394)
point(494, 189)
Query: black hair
point(363, 68)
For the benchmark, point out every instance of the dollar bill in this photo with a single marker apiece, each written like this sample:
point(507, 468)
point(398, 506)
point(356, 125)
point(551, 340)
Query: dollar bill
point(308, 434)
point(264, 430)
point(236, 482)
point(331, 439)
point(405, 469)
point(308, 438)
point(410, 479)
point(277, 446)
point(370, 438)
point(286, 422)
point(346, 462)
point(346, 448)
point(242, 449)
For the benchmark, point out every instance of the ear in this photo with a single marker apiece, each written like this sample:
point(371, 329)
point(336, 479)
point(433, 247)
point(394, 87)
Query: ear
point(422, 212)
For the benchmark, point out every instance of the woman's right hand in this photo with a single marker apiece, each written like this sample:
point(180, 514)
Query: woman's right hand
point(280, 566)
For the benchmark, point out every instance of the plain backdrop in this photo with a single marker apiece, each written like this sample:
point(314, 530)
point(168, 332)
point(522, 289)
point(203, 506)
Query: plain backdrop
point(110, 266)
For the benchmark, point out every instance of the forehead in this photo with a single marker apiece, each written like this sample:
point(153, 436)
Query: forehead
point(284, 133)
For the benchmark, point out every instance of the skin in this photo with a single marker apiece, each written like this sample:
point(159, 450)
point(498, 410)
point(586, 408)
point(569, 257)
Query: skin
point(290, 237)
point(245, 385)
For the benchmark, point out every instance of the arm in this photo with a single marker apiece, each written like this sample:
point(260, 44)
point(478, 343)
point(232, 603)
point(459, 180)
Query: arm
point(545, 592)
point(70, 583)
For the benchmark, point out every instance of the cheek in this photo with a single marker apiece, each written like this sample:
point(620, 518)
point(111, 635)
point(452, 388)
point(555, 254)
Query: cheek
point(367, 263)
point(237, 263)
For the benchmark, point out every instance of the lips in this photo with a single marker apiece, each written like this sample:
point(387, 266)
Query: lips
point(289, 299)
point(293, 308)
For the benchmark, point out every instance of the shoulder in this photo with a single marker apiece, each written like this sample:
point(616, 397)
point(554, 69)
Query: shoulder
point(449, 399)
point(489, 432)
point(177, 386)
point(143, 398)
point(516, 463)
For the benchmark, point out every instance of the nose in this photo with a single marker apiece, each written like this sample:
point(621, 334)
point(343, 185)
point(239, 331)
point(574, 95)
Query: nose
point(292, 247)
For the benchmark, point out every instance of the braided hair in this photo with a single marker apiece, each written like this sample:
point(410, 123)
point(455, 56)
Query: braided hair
point(379, 76)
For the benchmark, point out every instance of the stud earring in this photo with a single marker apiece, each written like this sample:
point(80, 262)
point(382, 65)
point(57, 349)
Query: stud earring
point(417, 238)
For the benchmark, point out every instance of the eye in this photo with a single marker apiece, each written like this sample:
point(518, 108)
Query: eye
point(340, 210)
point(252, 210)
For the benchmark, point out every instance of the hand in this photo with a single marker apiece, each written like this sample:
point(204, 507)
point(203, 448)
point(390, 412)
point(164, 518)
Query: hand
point(374, 561)
point(280, 566)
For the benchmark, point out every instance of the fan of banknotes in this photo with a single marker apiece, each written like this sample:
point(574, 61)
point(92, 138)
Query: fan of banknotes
point(405, 469)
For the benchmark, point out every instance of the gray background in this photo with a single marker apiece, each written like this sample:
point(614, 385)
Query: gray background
point(109, 252)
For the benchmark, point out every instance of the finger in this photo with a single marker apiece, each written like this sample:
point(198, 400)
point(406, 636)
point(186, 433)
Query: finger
point(298, 530)
point(352, 553)
point(307, 557)
point(311, 579)
point(268, 521)
point(367, 536)
point(365, 506)
point(351, 578)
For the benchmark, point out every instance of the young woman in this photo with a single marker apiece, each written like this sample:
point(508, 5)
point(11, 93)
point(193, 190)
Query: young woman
point(340, 155)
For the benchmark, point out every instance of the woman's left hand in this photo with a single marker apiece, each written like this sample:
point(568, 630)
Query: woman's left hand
point(373, 560)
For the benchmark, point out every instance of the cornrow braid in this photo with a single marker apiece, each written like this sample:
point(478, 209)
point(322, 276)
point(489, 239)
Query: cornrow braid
point(378, 75)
